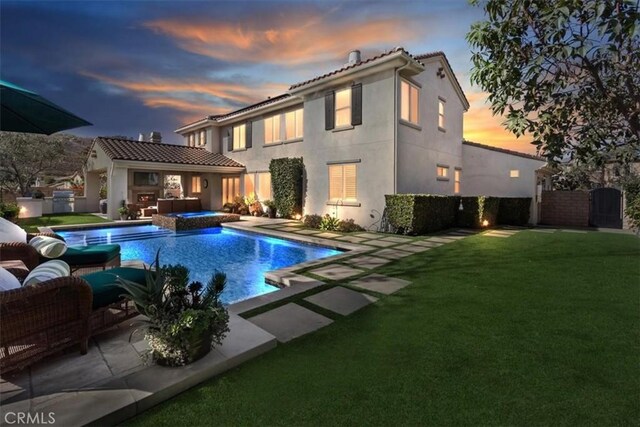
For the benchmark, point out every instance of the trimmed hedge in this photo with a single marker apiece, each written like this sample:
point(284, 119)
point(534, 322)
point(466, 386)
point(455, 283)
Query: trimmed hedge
point(514, 210)
point(420, 213)
point(424, 213)
point(286, 181)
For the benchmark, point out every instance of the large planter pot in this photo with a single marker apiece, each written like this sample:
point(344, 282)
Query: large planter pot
point(103, 206)
point(271, 212)
point(197, 348)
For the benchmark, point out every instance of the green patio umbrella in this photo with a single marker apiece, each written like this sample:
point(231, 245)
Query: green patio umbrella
point(26, 111)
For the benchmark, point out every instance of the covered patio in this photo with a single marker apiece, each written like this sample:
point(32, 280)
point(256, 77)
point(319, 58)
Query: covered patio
point(142, 173)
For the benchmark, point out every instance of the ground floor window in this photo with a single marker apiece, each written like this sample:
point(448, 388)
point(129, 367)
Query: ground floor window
point(196, 184)
point(230, 188)
point(343, 182)
point(456, 180)
point(249, 184)
point(514, 173)
point(173, 186)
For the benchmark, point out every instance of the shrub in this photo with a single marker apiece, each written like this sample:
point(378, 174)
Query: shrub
point(349, 226)
point(514, 210)
point(286, 179)
point(312, 221)
point(632, 211)
point(9, 211)
point(420, 213)
point(476, 210)
point(329, 223)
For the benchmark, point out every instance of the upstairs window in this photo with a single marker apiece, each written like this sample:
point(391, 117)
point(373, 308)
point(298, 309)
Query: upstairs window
point(293, 124)
point(203, 137)
point(442, 172)
point(409, 101)
point(342, 182)
point(456, 180)
point(441, 103)
point(272, 129)
point(191, 139)
point(343, 107)
point(239, 137)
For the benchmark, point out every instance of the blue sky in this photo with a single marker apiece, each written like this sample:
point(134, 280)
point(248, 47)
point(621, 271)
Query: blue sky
point(137, 66)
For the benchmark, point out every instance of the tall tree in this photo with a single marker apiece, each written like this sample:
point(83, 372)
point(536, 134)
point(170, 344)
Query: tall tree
point(25, 157)
point(566, 72)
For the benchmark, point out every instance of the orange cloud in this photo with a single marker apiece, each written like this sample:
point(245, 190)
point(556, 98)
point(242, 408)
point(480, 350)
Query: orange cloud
point(480, 125)
point(284, 39)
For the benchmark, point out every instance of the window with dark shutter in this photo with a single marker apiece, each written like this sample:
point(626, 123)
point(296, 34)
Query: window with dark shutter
point(230, 139)
point(356, 104)
point(249, 127)
point(329, 110)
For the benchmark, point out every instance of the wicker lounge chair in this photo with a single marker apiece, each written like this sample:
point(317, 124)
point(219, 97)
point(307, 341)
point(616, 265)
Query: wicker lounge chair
point(97, 256)
point(40, 320)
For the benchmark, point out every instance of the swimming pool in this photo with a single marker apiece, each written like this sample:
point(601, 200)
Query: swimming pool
point(244, 257)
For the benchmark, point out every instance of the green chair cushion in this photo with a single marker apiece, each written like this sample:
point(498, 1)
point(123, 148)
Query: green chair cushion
point(90, 255)
point(105, 285)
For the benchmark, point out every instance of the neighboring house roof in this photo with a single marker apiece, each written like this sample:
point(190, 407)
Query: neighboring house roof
point(458, 87)
point(504, 150)
point(142, 151)
point(351, 66)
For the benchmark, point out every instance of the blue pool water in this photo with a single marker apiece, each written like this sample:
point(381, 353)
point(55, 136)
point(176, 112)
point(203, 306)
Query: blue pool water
point(244, 257)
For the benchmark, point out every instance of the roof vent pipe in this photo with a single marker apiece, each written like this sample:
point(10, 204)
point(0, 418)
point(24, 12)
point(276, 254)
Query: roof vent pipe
point(354, 57)
point(155, 137)
point(140, 137)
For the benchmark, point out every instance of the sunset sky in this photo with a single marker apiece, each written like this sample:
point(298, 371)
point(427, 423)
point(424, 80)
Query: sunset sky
point(137, 66)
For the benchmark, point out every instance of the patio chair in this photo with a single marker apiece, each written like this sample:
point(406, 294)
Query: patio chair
point(40, 320)
point(85, 257)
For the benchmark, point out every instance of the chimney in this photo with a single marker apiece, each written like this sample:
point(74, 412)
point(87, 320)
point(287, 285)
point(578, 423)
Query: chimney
point(354, 57)
point(155, 137)
point(140, 137)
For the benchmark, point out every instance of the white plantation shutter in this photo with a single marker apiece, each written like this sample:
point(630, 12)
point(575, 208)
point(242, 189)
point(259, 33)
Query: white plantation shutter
point(349, 182)
point(299, 123)
point(335, 182)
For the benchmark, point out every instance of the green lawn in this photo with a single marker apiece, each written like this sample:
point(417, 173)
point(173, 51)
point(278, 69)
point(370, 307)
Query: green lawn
point(32, 224)
point(532, 329)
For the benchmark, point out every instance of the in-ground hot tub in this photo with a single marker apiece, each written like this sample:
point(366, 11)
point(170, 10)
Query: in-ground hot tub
point(179, 221)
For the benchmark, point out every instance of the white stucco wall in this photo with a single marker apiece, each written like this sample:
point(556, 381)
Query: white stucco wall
point(486, 172)
point(370, 143)
point(422, 148)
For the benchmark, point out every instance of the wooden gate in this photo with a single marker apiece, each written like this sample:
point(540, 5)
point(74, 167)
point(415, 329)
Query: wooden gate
point(605, 208)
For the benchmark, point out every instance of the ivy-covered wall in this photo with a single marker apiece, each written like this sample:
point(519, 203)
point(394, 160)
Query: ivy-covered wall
point(287, 182)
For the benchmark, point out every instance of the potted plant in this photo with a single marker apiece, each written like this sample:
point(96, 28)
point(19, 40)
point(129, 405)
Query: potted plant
point(271, 208)
point(124, 212)
point(185, 319)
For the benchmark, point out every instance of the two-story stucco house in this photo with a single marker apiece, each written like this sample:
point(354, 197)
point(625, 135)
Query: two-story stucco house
point(388, 124)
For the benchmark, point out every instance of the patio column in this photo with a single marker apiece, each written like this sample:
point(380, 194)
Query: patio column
point(92, 190)
point(116, 190)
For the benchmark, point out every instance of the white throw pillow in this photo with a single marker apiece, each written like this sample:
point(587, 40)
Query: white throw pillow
point(49, 247)
point(10, 232)
point(8, 281)
point(47, 271)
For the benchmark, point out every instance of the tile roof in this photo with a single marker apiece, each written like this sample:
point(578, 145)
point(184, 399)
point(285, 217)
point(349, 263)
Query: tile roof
point(128, 149)
point(349, 67)
point(504, 150)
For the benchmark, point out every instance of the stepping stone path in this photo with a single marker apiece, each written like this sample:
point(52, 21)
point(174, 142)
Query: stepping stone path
point(380, 243)
point(328, 235)
point(575, 231)
point(352, 239)
point(368, 262)
point(544, 230)
point(415, 248)
point(336, 272)
point(438, 239)
point(289, 229)
point(500, 233)
point(392, 253)
point(290, 321)
point(307, 231)
point(379, 283)
point(397, 239)
point(370, 235)
point(341, 300)
point(427, 243)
